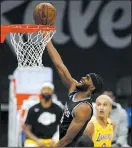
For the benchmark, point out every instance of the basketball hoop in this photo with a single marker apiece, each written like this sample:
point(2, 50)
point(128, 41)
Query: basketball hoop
point(29, 42)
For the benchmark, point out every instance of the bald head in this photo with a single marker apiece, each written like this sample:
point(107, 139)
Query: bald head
point(104, 97)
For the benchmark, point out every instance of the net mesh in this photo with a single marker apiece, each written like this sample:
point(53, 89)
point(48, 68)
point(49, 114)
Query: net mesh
point(29, 47)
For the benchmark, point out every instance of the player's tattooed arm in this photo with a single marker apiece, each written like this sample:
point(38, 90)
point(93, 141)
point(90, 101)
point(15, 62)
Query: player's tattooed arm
point(80, 118)
point(89, 129)
point(64, 74)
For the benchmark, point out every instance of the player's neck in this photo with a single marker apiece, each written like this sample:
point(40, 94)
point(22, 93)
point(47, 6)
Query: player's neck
point(81, 95)
point(46, 104)
point(102, 121)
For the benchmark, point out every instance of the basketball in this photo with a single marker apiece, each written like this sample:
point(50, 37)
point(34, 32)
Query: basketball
point(44, 14)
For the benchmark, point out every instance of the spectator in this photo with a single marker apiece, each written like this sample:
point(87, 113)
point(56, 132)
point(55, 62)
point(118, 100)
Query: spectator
point(119, 116)
point(41, 124)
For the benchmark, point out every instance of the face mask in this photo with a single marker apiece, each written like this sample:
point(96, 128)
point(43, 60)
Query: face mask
point(46, 97)
point(114, 106)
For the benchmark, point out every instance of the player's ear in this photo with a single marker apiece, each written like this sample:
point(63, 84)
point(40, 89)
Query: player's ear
point(92, 87)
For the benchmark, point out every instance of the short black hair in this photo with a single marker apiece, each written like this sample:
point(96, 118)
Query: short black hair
point(84, 141)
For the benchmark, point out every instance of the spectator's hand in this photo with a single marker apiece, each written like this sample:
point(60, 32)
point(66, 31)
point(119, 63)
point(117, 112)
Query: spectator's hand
point(40, 143)
point(52, 143)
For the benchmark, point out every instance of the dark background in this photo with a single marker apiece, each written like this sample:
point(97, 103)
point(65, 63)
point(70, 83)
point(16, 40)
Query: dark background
point(114, 64)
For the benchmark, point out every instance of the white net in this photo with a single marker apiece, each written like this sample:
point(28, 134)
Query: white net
point(29, 47)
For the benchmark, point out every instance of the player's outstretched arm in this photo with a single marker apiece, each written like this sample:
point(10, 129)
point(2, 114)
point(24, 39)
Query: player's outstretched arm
point(64, 74)
point(80, 118)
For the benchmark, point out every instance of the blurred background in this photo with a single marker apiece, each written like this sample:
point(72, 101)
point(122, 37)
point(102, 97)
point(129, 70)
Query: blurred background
point(92, 36)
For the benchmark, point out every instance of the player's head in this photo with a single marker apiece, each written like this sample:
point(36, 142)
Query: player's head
point(92, 82)
point(103, 106)
point(84, 141)
point(47, 91)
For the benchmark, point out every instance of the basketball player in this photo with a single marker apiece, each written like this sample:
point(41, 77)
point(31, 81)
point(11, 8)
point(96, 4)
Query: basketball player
point(101, 128)
point(78, 109)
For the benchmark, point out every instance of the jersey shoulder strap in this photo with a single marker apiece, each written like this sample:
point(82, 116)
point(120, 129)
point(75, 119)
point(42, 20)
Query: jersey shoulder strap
point(72, 93)
point(109, 121)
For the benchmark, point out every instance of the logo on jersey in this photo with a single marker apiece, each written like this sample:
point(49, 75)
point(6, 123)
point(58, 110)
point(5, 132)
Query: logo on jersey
point(66, 111)
point(104, 137)
point(47, 118)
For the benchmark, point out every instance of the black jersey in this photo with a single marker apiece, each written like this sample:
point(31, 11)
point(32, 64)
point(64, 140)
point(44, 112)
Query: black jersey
point(68, 116)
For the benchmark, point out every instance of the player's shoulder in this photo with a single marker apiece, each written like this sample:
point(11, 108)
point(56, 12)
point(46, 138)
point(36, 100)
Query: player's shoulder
point(84, 105)
point(82, 109)
point(90, 128)
point(71, 93)
point(94, 122)
point(93, 119)
point(109, 121)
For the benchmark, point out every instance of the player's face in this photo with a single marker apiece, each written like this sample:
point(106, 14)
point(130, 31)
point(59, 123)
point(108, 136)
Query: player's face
point(85, 83)
point(103, 107)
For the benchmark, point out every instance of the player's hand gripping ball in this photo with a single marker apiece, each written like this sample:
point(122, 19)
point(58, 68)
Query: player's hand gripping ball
point(44, 14)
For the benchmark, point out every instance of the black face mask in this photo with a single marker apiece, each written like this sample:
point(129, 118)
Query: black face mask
point(46, 97)
point(114, 106)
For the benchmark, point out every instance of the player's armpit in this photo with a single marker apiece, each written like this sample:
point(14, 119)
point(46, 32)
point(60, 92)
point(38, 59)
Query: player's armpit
point(89, 129)
point(64, 74)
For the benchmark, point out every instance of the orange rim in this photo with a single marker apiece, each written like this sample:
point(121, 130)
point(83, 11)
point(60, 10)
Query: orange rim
point(4, 30)
point(23, 28)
